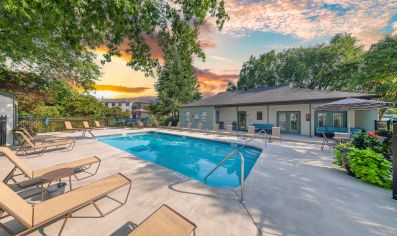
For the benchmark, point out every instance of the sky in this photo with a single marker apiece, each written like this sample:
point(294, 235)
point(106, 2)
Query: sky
point(256, 27)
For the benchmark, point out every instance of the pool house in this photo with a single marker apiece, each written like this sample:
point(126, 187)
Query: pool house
point(291, 109)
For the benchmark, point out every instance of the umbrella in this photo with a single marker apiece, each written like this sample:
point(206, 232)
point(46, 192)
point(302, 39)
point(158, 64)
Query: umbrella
point(354, 104)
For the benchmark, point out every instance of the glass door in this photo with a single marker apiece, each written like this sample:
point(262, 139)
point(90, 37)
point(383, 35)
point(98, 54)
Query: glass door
point(242, 120)
point(289, 121)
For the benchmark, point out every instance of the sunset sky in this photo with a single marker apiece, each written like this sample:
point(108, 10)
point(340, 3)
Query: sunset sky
point(256, 27)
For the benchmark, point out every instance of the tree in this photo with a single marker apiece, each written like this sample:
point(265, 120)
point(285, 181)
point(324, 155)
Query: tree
point(176, 83)
point(324, 67)
point(55, 39)
point(231, 86)
point(378, 73)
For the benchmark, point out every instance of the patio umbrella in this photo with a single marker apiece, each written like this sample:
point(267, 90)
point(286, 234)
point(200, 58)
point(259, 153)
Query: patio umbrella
point(354, 104)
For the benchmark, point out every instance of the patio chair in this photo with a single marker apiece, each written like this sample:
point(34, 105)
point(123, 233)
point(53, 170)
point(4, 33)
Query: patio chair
point(199, 127)
point(326, 142)
point(229, 130)
point(81, 165)
point(215, 129)
point(164, 221)
point(69, 127)
point(98, 125)
point(140, 125)
point(276, 134)
point(26, 146)
point(36, 140)
point(188, 126)
point(251, 131)
point(37, 215)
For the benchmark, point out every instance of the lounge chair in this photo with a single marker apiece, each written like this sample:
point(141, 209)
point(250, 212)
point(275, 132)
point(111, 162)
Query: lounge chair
point(326, 142)
point(164, 221)
point(79, 165)
point(140, 125)
point(98, 125)
point(25, 145)
point(199, 127)
point(36, 140)
point(188, 126)
point(37, 215)
point(178, 126)
point(215, 129)
point(69, 127)
point(251, 131)
point(276, 134)
point(229, 130)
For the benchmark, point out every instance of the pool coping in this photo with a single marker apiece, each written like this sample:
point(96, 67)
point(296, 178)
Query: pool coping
point(201, 138)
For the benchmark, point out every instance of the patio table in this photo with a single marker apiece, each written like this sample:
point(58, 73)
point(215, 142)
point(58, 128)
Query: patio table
point(56, 175)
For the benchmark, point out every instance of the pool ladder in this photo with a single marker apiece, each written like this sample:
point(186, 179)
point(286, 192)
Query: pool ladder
point(242, 171)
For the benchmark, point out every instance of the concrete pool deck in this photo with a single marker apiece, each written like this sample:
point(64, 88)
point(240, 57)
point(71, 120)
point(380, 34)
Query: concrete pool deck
point(293, 189)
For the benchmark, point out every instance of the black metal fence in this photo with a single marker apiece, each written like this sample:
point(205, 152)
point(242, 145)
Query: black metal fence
point(385, 125)
point(40, 124)
point(3, 130)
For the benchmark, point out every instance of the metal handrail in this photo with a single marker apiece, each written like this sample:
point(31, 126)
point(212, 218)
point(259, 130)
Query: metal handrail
point(242, 171)
point(265, 136)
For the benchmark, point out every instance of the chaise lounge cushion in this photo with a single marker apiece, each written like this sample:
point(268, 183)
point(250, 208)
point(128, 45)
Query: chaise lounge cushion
point(55, 207)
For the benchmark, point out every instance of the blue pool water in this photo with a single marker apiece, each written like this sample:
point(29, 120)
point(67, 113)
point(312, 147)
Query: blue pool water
point(191, 157)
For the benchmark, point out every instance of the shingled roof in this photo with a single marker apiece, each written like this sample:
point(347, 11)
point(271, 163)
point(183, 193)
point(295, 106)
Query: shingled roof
point(275, 95)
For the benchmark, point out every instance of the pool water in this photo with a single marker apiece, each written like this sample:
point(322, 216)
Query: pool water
point(191, 157)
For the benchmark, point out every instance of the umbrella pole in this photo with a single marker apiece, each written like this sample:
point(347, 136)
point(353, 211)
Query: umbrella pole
point(348, 121)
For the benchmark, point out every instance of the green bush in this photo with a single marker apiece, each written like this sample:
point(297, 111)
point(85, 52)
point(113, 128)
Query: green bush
point(370, 166)
point(340, 151)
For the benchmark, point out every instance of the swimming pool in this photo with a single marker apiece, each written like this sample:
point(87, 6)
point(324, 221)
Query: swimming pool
point(191, 157)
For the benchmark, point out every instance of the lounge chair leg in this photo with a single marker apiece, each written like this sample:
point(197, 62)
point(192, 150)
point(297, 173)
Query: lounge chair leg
point(64, 223)
point(6, 229)
point(97, 208)
point(9, 176)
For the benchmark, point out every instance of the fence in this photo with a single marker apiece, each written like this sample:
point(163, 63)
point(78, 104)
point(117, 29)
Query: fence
point(3, 130)
point(40, 124)
point(385, 125)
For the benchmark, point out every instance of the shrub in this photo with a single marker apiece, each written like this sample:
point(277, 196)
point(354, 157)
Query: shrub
point(340, 151)
point(370, 166)
point(364, 140)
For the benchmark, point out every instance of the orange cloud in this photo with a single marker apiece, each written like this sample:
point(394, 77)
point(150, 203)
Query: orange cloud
point(120, 89)
point(207, 44)
point(212, 83)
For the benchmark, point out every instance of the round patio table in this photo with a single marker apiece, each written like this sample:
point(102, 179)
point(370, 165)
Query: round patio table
point(55, 175)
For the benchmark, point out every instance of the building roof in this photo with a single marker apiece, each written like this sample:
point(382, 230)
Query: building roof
point(147, 99)
point(274, 95)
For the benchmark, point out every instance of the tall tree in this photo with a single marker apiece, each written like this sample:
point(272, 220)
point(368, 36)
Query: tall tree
point(378, 73)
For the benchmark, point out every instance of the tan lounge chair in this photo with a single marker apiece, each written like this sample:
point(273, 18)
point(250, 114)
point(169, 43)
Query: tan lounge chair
point(164, 221)
point(26, 146)
point(215, 129)
point(140, 125)
point(276, 134)
point(169, 125)
point(35, 140)
point(98, 125)
point(199, 127)
point(69, 127)
point(251, 131)
point(229, 130)
point(37, 215)
point(188, 126)
point(80, 165)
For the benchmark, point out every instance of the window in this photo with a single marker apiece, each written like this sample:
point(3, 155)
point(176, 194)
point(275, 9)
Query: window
point(120, 104)
point(338, 120)
point(187, 116)
point(113, 104)
point(127, 104)
point(322, 119)
point(204, 116)
point(259, 115)
point(106, 104)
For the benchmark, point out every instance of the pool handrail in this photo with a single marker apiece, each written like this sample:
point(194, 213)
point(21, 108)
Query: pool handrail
point(242, 171)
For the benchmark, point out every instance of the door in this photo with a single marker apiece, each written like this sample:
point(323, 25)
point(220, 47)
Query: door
point(242, 120)
point(289, 121)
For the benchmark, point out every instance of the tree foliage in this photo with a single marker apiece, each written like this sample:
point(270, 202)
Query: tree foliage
point(378, 73)
point(55, 39)
point(325, 66)
point(176, 84)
